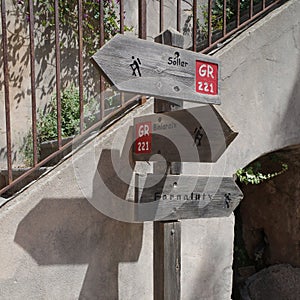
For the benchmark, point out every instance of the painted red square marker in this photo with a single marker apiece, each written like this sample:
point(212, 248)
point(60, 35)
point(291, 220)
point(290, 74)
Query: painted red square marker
point(206, 78)
point(143, 137)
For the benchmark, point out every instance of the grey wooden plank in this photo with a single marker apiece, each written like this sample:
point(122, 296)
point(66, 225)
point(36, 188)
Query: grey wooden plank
point(167, 260)
point(173, 197)
point(144, 67)
point(167, 235)
point(198, 134)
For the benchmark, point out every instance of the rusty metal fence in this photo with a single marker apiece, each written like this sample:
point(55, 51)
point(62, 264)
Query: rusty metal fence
point(211, 23)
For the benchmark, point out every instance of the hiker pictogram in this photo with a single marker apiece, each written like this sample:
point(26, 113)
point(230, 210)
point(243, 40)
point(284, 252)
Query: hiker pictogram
point(135, 66)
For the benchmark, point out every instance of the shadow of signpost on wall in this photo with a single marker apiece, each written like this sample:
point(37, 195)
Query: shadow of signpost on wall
point(72, 232)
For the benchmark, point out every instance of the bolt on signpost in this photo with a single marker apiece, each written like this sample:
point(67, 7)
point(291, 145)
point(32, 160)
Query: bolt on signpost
point(199, 134)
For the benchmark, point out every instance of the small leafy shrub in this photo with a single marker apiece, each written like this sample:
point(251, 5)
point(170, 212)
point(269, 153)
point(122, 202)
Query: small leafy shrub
point(70, 119)
point(70, 116)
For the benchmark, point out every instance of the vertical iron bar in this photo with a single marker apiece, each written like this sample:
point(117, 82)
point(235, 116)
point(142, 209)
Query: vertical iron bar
point(121, 5)
point(263, 4)
point(32, 77)
point(142, 19)
point(102, 41)
point(209, 31)
point(251, 9)
point(161, 15)
point(142, 15)
point(179, 15)
point(224, 17)
point(80, 57)
point(194, 25)
point(6, 91)
point(238, 4)
point(58, 84)
point(101, 23)
point(102, 99)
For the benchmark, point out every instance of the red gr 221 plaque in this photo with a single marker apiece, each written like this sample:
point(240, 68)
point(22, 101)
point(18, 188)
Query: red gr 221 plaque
point(206, 78)
point(143, 137)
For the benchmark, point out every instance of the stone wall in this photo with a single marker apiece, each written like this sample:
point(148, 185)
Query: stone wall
point(270, 213)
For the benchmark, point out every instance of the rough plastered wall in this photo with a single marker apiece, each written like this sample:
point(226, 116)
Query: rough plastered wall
point(19, 82)
point(19, 78)
point(55, 245)
point(260, 88)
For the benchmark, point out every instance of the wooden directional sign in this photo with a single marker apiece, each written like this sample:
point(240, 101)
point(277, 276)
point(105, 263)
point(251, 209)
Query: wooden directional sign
point(176, 197)
point(144, 67)
point(198, 134)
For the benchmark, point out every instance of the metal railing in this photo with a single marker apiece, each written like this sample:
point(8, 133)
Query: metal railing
point(211, 23)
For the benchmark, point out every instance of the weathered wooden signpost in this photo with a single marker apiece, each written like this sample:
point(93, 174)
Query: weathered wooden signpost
point(139, 66)
point(199, 134)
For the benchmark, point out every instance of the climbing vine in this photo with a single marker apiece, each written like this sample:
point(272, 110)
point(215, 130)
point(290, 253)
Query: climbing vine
point(44, 16)
point(217, 15)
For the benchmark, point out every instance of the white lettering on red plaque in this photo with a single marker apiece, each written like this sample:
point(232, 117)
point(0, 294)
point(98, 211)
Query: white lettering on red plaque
point(206, 78)
point(143, 137)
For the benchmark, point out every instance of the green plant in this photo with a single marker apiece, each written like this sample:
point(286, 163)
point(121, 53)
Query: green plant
point(216, 16)
point(70, 118)
point(217, 13)
point(253, 173)
point(70, 114)
point(27, 149)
